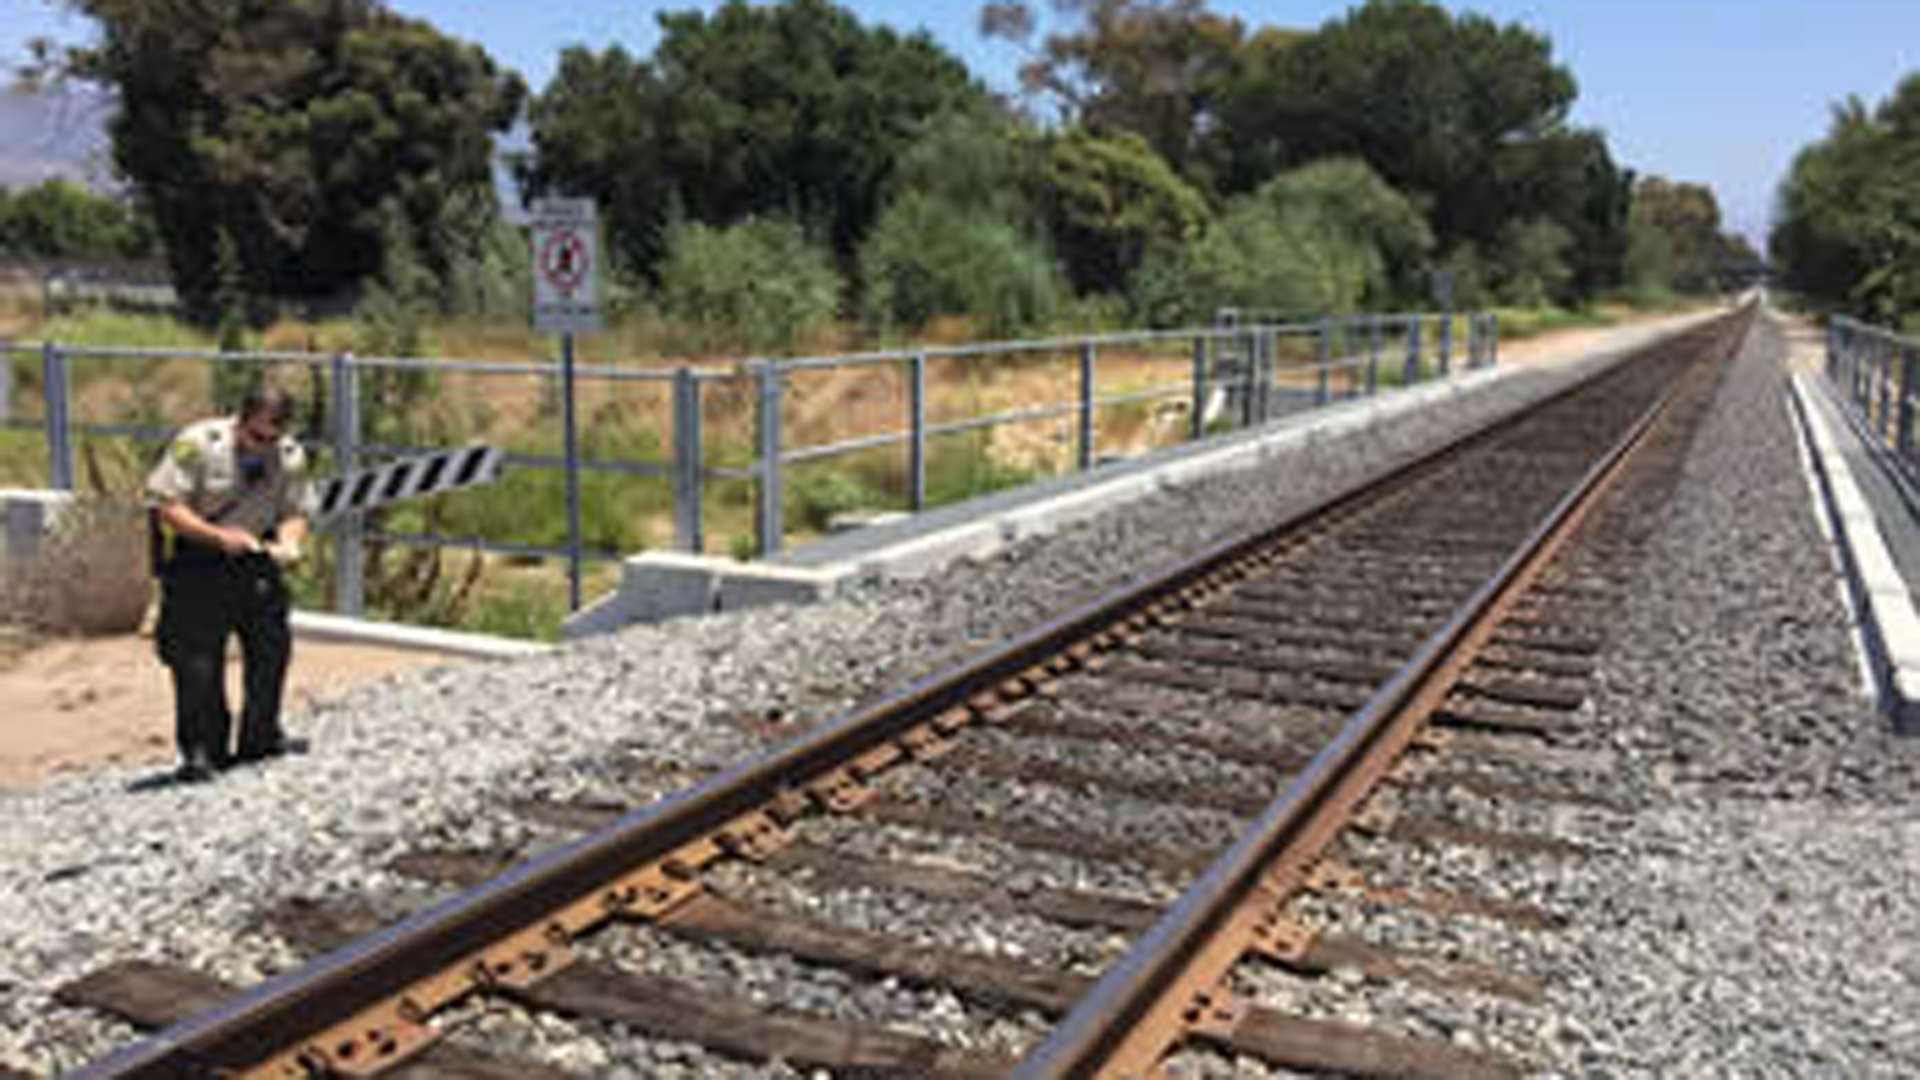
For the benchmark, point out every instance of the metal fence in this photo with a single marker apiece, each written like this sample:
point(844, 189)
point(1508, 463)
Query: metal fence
point(1878, 375)
point(705, 445)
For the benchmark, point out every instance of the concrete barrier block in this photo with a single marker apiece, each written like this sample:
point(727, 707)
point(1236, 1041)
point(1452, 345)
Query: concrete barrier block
point(750, 585)
point(28, 514)
point(662, 584)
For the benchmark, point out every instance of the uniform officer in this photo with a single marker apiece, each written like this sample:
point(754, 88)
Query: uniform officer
point(232, 494)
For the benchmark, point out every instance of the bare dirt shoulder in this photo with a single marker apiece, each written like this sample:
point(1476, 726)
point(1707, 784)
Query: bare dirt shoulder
point(75, 704)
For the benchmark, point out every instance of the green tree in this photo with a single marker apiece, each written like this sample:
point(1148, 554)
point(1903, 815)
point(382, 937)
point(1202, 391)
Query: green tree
point(62, 220)
point(1331, 237)
point(1689, 216)
point(1650, 264)
point(1111, 202)
point(792, 110)
point(1151, 68)
point(1441, 106)
point(290, 125)
point(1847, 228)
point(1533, 269)
point(1569, 179)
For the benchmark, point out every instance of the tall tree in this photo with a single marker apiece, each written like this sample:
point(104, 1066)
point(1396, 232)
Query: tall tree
point(1435, 103)
point(793, 109)
point(1688, 215)
point(1569, 178)
point(1111, 203)
point(295, 127)
point(1847, 227)
point(1150, 68)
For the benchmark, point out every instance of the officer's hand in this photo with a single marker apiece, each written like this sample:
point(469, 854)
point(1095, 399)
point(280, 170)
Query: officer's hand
point(284, 552)
point(237, 541)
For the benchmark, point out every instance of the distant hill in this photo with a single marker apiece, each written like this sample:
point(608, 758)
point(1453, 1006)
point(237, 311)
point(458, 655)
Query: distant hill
point(54, 136)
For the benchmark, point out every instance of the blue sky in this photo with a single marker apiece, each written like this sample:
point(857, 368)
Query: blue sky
point(1716, 92)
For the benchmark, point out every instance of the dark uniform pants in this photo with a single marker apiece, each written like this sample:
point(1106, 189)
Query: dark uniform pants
point(205, 598)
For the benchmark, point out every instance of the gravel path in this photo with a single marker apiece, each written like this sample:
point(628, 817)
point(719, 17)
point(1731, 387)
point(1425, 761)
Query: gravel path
point(93, 871)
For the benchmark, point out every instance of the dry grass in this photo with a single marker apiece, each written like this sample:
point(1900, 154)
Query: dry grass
point(91, 577)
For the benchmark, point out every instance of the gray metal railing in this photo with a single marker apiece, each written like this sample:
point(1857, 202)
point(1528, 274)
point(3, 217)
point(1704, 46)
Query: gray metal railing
point(1238, 373)
point(1877, 373)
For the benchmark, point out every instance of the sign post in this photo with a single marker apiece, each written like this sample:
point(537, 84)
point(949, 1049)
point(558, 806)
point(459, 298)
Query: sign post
point(566, 301)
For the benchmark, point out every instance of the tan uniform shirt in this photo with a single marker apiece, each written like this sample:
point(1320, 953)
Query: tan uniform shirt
point(205, 469)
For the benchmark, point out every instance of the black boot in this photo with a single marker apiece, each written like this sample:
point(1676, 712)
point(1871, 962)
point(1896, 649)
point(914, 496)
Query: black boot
point(198, 767)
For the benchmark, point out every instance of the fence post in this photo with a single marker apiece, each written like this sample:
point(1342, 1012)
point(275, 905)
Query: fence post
point(1909, 372)
point(1267, 347)
point(1883, 388)
point(1089, 357)
point(1376, 335)
point(917, 445)
point(1325, 360)
point(350, 569)
point(1446, 345)
point(689, 464)
point(1877, 387)
point(59, 390)
point(1412, 375)
point(1199, 425)
point(1492, 357)
point(1858, 389)
point(6, 382)
point(1890, 373)
point(771, 511)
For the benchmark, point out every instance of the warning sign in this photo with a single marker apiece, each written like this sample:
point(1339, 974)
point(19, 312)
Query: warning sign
point(566, 267)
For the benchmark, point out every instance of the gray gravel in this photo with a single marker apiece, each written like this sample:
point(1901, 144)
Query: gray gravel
point(1758, 921)
point(94, 872)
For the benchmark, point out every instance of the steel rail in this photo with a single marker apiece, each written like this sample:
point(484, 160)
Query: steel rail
point(369, 1004)
point(1137, 1012)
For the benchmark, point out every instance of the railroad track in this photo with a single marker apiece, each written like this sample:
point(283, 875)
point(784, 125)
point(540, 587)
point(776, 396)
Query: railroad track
point(1266, 715)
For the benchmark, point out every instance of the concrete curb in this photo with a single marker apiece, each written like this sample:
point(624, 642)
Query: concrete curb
point(1881, 599)
point(318, 626)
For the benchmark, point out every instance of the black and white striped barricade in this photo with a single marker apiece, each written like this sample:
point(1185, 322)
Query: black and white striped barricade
point(408, 478)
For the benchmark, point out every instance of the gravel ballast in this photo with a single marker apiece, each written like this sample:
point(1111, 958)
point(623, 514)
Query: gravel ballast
point(1756, 920)
point(1668, 973)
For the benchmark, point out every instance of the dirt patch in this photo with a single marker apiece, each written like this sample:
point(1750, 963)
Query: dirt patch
point(75, 704)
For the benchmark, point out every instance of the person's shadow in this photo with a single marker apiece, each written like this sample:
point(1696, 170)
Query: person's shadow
point(173, 778)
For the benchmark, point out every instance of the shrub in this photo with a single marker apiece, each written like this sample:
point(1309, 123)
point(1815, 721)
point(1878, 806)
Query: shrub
point(818, 495)
point(760, 284)
point(1330, 237)
point(928, 258)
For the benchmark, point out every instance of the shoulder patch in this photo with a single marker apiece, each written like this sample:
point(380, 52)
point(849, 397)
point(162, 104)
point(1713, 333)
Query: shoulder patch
point(186, 452)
